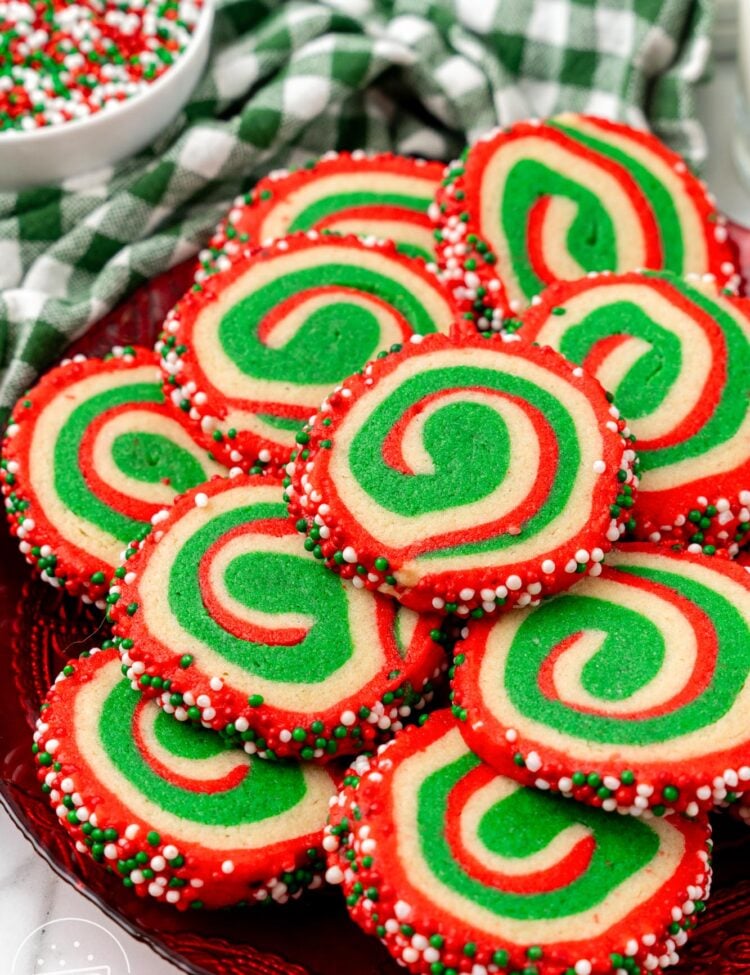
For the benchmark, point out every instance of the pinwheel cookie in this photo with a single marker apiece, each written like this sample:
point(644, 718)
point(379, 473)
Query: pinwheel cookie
point(544, 202)
point(176, 812)
point(676, 356)
point(384, 196)
point(631, 692)
point(225, 619)
point(90, 454)
point(456, 868)
point(251, 354)
point(462, 475)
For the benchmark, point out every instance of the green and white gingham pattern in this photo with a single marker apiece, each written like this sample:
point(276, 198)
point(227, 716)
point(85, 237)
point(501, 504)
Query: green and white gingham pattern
point(290, 80)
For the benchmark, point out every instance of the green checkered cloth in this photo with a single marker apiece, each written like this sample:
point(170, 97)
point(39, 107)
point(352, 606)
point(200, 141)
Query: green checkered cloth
point(290, 80)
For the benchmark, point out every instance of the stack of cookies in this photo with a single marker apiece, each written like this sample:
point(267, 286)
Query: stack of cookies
point(472, 441)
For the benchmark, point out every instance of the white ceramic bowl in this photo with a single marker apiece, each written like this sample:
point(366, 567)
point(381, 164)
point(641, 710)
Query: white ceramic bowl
point(52, 154)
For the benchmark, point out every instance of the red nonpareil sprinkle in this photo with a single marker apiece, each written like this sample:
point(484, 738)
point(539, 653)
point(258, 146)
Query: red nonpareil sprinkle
point(61, 61)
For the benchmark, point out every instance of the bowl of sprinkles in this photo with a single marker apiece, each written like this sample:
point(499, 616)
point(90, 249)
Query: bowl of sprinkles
point(85, 84)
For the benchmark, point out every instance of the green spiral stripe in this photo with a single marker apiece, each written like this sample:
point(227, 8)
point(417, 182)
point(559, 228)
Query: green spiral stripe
point(337, 339)
point(339, 202)
point(270, 789)
point(271, 583)
point(591, 239)
point(154, 459)
point(521, 825)
point(648, 382)
point(631, 655)
point(280, 422)
point(140, 455)
point(414, 250)
point(662, 203)
point(172, 736)
point(459, 438)
point(643, 389)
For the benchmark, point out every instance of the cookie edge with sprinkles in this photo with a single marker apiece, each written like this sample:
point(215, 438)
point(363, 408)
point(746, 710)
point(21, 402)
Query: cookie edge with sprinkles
point(713, 521)
point(467, 262)
point(255, 726)
point(372, 570)
point(181, 385)
point(376, 906)
point(231, 244)
point(115, 843)
point(61, 568)
point(628, 791)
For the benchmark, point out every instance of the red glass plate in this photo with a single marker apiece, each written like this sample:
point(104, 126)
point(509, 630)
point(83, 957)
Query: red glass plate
point(40, 628)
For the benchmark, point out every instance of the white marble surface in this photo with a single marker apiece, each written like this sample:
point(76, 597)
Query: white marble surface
point(32, 897)
point(48, 928)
